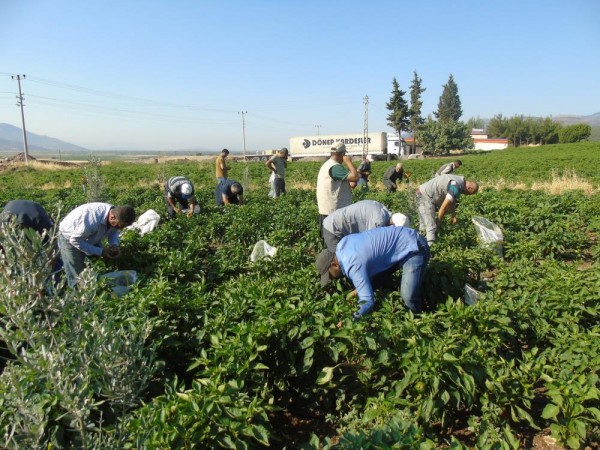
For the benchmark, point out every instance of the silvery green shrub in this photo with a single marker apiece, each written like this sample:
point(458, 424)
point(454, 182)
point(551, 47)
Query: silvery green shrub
point(79, 361)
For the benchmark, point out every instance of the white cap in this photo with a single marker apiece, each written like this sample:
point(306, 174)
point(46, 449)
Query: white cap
point(400, 220)
point(186, 189)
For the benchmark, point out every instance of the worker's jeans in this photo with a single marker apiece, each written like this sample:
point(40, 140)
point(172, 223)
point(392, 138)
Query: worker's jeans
point(413, 271)
point(73, 260)
point(427, 219)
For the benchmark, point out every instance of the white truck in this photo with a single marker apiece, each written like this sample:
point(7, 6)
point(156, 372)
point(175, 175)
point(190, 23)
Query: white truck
point(305, 146)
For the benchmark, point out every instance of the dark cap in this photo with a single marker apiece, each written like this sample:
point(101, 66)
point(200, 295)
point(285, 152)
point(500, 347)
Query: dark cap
point(323, 263)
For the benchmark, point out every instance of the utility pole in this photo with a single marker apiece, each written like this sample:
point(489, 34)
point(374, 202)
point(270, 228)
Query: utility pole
point(244, 131)
point(366, 128)
point(20, 103)
point(318, 127)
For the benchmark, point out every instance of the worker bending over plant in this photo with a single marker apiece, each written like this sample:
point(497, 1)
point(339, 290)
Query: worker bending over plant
point(179, 197)
point(361, 256)
point(440, 192)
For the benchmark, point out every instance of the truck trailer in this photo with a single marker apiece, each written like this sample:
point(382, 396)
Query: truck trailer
point(305, 146)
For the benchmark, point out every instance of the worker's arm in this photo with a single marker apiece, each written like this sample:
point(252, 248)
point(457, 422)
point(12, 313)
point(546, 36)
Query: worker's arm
point(172, 204)
point(225, 199)
point(270, 166)
point(353, 176)
point(447, 207)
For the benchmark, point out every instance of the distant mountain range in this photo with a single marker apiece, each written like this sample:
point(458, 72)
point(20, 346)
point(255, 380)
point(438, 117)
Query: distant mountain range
point(592, 120)
point(11, 138)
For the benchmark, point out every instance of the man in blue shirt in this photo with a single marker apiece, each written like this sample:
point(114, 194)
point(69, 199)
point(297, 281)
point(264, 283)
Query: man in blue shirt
point(362, 256)
point(229, 192)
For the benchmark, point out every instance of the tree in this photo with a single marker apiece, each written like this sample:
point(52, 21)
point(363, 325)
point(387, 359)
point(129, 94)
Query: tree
point(398, 117)
point(496, 127)
point(476, 122)
point(414, 112)
point(440, 137)
point(449, 107)
point(574, 133)
point(549, 131)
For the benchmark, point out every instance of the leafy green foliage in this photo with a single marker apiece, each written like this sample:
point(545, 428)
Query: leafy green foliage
point(242, 344)
point(449, 106)
point(574, 133)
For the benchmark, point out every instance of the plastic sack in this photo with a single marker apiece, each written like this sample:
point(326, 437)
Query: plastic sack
point(146, 222)
point(272, 185)
point(121, 281)
point(262, 250)
point(490, 235)
point(471, 295)
point(196, 209)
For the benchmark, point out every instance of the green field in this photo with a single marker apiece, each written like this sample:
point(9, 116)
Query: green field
point(209, 350)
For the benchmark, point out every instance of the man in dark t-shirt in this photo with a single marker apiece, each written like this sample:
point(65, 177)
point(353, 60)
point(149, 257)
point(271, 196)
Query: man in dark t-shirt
point(393, 176)
point(229, 192)
point(27, 214)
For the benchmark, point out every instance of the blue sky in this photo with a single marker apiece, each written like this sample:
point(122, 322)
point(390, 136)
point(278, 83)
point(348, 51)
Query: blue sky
point(173, 75)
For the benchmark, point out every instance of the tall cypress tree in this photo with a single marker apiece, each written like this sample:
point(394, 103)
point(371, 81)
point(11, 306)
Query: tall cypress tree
point(398, 117)
point(449, 107)
point(414, 113)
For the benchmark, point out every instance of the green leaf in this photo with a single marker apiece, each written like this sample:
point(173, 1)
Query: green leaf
point(449, 357)
point(550, 411)
point(261, 366)
point(261, 434)
point(326, 375)
point(307, 342)
point(371, 344)
point(573, 442)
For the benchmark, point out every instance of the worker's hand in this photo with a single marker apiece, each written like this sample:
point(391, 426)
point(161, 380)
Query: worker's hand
point(190, 212)
point(340, 324)
point(351, 296)
point(111, 252)
point(347, 159)
point(453, 220)
point(177, 210)
point(408, 174)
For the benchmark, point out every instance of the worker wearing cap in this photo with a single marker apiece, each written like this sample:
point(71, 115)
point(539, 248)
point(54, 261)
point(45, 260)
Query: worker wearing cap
point(179, 196)
point(335, 182)
point(361, 256)
point(277, 165)
point(357, 217)
point(364, 170)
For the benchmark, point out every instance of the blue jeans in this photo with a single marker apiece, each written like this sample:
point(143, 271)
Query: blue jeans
point(73, 260)
point(413, 271)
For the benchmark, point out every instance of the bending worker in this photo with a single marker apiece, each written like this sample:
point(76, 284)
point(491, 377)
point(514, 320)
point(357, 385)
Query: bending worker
point(179, 196)
point(362, 256)
point(360, 216)
point(440, 192)
point(83, 230)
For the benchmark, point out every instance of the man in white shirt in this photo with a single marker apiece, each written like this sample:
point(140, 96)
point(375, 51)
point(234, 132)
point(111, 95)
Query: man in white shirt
point(82, 231)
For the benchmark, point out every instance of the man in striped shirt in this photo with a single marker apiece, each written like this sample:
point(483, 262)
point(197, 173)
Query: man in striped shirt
point(179, 196)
